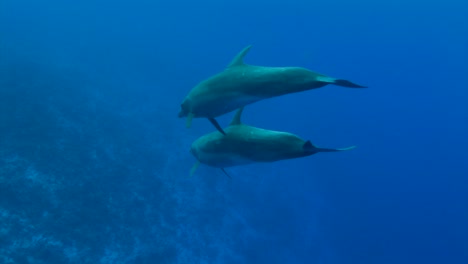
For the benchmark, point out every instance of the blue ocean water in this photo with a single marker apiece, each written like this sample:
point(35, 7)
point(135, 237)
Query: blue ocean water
point(94, 163)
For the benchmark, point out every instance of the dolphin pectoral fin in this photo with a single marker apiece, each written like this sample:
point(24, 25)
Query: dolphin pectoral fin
point(188, 122)
point(222, 169)
point(309, 147)
point(339, 82)
point(216, 124)
point(194, 168)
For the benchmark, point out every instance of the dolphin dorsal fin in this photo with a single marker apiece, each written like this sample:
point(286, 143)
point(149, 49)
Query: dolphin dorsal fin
point(239, 59)
point(236, 120)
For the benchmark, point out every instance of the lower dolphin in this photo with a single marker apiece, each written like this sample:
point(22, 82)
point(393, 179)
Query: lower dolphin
point(241, 84)
point(243, 144)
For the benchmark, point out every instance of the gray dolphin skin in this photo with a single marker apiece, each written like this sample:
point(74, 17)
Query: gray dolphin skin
point(243, 144)
point(241, 84)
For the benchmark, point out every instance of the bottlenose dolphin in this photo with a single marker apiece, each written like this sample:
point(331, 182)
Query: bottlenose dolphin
point(241, 84)
point(243, 144)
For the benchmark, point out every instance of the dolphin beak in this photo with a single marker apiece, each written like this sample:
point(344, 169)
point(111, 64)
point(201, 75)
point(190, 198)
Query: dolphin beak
point(193, 152)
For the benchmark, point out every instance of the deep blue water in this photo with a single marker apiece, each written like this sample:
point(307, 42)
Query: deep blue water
point(94, 162)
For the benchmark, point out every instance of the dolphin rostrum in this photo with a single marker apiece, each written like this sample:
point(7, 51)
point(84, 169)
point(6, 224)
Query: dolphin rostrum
point(241, 84)
point(243, 144)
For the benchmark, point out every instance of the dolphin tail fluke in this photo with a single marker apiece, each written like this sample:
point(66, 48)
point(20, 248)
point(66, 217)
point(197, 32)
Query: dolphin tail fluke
point(339, 82)
point(216, 124)
point(346, 83)
point(309, 147)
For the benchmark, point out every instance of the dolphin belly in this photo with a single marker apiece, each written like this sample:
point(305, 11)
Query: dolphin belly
point(217, 105)
point(222, 160)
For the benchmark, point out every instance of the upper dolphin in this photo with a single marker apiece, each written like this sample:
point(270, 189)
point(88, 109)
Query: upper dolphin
point(243, 144)
point(241, 84)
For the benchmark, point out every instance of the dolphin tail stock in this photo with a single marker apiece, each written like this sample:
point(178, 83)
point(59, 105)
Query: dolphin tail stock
point(309, 147)
point(216, 124)
point(339, 82)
